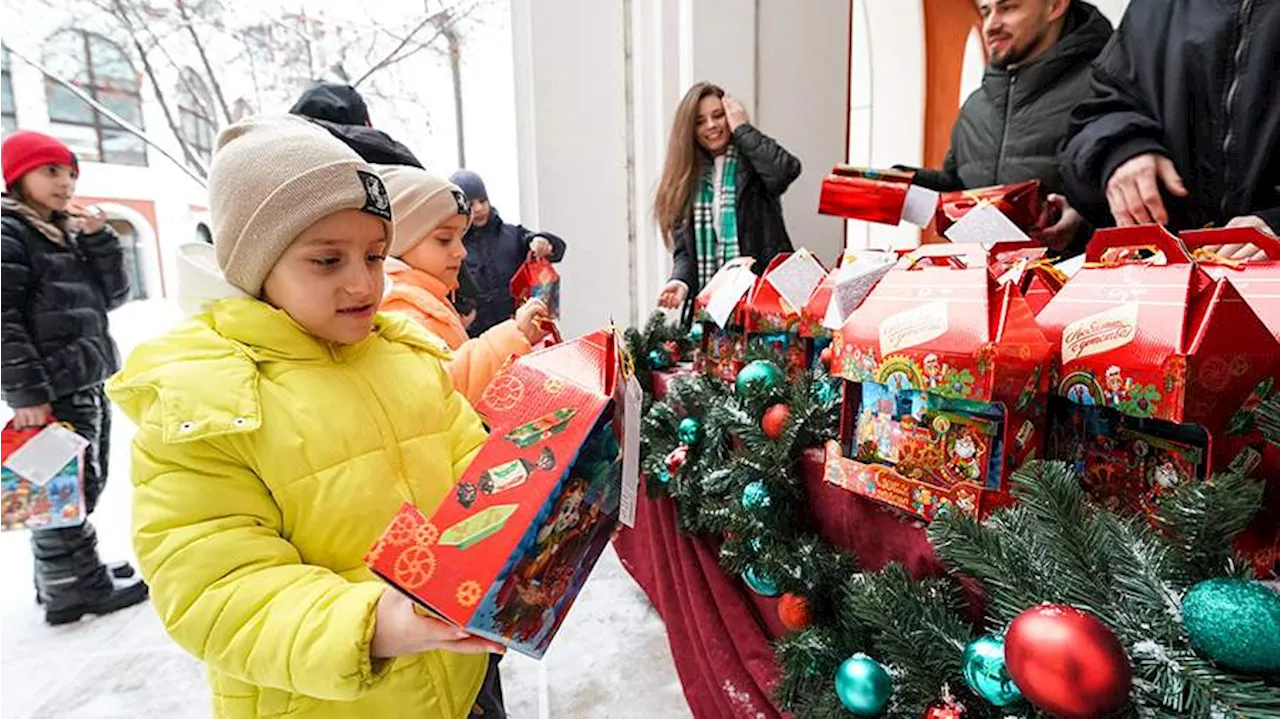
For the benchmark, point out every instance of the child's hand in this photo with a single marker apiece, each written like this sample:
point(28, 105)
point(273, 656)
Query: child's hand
point(400, 631)
point(534, 320)
point(541, 247)
point(89, 220)
point(38, 416)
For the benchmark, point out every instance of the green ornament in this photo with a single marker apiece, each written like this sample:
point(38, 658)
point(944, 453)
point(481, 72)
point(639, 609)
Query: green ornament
point(759, 375)
point(760, 582)
point(864, 687)
point(695, 333)
point(689, 431)
point(1234, 622)
point(755, 496)
point(985, 671)
point(659, 359)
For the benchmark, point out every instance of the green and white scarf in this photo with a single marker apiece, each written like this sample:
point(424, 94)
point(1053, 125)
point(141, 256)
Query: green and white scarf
point(714, 251)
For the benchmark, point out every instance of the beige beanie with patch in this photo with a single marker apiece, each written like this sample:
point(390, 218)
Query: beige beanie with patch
point(272, 178)
point(420, 202)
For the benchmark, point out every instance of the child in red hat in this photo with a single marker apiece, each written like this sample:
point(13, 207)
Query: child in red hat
point(63, 270)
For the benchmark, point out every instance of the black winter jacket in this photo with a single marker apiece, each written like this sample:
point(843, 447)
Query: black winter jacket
point(1010, 129)
point(1196, 81)
point(494, 253)
point(55, 303)
point(765, 171)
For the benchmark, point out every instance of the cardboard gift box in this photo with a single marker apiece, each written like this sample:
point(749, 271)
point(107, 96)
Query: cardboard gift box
point(1026, 265)
point(1021, 202)
point(944, 387)
point(840, 294)
point(507, 551)
point(773, 309)
point(41, 478)
point(537, 279)
point(1257, 280)
point(884, 196)
point(1159, 368)
point(720, 312)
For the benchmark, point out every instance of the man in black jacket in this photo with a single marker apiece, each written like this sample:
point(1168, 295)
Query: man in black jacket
point(1010, 129)
point(1182, 123)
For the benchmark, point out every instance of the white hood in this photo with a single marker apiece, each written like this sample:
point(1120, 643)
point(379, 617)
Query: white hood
point(200, 281)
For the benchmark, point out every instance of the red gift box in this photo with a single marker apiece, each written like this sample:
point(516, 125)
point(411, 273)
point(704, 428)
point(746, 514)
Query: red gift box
point(1257, 280)
point(1025, 264)
point(1156, 351)
point(944, 386)
point(537, 279)
point(722, 349)
point(770, 319)
point(863, 194)
point(31, 497)
point(506, 553)
point(1020, 202)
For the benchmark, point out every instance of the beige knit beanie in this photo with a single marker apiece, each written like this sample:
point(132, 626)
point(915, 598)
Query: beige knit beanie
point(420, 202)
point(272, 178)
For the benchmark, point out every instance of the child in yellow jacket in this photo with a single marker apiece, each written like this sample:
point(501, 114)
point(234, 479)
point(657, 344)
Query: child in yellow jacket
point(278, 431)
point(432, 217)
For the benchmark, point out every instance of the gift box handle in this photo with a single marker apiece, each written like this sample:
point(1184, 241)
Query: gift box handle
point(1141, 237)
point(1198, 239)
point(953, 254)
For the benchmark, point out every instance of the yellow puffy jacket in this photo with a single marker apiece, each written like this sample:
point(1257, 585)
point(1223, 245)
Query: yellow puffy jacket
point(266, 463)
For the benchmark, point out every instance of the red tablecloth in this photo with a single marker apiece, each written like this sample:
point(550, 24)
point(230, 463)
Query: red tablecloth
point(720, 631)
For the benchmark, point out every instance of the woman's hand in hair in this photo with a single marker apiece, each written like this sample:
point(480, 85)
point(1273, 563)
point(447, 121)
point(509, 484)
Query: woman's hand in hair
point(735, 113)
point(673, 295)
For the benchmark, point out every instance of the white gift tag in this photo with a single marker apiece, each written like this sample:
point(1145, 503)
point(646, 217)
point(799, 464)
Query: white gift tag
point(726, 297)
point(984, 223)
point(920, 207)
point(796, 279)
point(858, 275)
point(1072, 266)
point(632, 407)
point(44, 455)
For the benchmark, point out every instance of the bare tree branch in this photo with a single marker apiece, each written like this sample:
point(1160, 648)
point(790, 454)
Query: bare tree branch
point(390, 57)
point(204, 58)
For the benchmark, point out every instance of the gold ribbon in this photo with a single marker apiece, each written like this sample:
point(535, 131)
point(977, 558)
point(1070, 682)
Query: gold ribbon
point(1204, 254)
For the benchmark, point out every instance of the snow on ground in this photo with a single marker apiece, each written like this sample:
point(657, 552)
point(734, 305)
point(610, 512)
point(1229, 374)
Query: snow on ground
point(610, 659)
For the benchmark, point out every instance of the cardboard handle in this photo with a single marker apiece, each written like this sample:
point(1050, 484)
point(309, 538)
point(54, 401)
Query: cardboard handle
point(1195, 239)
point(956, 255)
point(1150, 237)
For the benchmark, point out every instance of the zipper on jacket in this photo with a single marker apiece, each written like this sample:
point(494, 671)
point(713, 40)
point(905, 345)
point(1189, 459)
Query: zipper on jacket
point(1229, 99)
point(1004, 131)
point(381, 418)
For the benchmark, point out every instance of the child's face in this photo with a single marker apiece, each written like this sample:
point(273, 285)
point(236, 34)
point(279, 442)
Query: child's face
point(480, 212)
point(441, 252)
point(330, 279)
point(50, 187)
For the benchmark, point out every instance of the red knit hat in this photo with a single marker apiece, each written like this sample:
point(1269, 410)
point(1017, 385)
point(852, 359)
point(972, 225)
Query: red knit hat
point(24, 151)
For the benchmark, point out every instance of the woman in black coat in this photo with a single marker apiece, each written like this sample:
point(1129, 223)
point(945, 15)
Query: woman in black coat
point(720, 192)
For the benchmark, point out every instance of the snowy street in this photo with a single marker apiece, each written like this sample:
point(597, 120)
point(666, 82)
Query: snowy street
point(610, 659)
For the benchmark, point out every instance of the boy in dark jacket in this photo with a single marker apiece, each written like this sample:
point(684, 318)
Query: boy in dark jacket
point(62, 271)
point(495, 250)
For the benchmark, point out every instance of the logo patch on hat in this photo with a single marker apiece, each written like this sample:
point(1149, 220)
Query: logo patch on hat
point(376, 201)
point(464, 207)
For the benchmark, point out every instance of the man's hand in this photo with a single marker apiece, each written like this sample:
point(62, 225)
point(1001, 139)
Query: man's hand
point(1245, 252)
point(734, 112)
point(541, 247)
point(1060, 234)
point(1133, 191)
point(673, 295)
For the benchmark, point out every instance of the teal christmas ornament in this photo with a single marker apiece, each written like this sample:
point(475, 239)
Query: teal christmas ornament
point(827, 391)
point(695, 333)
point(664, 475)
point(755, 496)
point(1234, 622)
point(760, 582)
point(689, 431)
point(863, 685)
point(659, 359)
point(756, 376)
point(985, 671)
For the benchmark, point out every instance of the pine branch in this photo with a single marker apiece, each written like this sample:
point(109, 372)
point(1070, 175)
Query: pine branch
point(1201, 520)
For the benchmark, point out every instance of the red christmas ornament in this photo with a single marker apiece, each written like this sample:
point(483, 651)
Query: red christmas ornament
point(677, 458)
point(673, 350)
point(944, 710)
point(825, 357)
point(1067, 662)
point(775, 420)
point(793, 610)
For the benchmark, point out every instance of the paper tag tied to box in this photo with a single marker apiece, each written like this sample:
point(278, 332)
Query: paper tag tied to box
point(631, 412)
point(857, 276)
point(737, 283)
point(40, 458)
point(796, 279)
point(985, 223)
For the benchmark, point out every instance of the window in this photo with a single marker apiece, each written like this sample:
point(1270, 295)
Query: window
point(10, 111)
point(102, 70)
point(195, 115)
point(133, 258)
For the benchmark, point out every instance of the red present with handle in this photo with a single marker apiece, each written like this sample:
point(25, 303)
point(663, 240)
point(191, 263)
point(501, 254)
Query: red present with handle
point(1258, 280)
point(537, 278)
point(42, 478)
point(1021, 202)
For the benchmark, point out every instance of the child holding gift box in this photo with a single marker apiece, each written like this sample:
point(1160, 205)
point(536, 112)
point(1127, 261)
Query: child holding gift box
point(279, 430)
point(432, 215)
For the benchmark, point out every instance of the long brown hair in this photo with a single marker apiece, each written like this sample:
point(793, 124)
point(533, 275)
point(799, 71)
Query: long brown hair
point(685, 160)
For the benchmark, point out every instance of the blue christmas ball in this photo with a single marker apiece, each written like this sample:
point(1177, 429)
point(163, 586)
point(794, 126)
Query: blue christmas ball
point(863, 685)
point(760, 582)
point(659, 359)
point(1234, 622)
point(985, 671)
point(755, 496)
point(695, 333)
point(689, 431)
point(756, 376)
